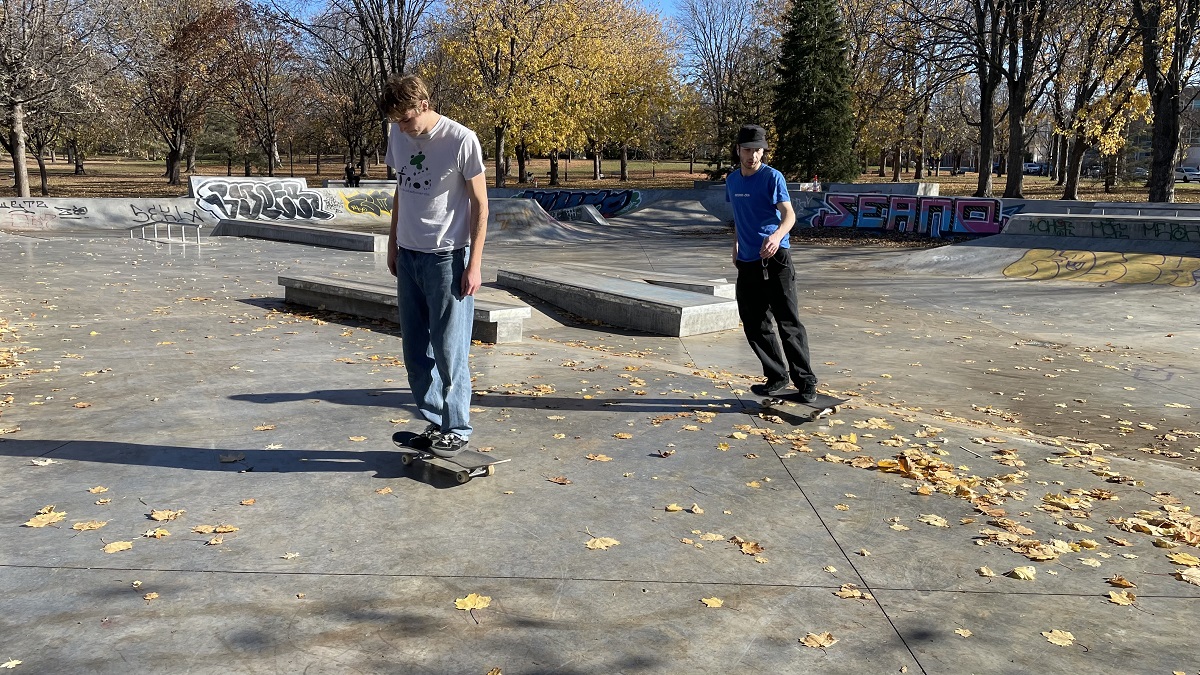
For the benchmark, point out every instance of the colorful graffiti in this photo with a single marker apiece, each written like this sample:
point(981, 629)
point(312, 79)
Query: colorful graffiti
point(1117, 227)
point(608, 202)
point(277, 199)
point(374, 202)
point(1105, 266)
point(936, 216)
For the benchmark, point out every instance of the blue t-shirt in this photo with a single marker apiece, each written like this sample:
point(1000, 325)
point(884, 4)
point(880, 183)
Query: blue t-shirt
point(754, 214)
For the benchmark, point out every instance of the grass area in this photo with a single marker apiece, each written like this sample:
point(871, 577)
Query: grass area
point(120, 177)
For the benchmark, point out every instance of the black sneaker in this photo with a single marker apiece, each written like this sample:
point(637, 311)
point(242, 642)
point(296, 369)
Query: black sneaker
point(808, 390)
point(427, 438)
point(768, 388)
point(448, 445)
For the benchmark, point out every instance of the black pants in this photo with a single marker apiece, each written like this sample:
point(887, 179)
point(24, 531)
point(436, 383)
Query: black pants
point(766, 303)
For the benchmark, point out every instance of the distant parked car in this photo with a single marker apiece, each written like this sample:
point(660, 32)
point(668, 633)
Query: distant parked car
point(1094, 171)
point(1187, 174)
point(1140, 172)
point(1031, 167)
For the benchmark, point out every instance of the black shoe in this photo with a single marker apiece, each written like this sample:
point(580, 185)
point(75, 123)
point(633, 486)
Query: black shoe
point(448, 445)
point(808, 390)
point(768, 388)
point(427, 438)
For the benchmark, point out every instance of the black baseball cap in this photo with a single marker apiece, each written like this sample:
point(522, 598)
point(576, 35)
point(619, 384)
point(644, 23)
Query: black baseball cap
point(752, 136)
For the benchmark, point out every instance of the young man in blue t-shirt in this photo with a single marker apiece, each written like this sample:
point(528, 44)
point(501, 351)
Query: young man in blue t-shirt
point(766, 281)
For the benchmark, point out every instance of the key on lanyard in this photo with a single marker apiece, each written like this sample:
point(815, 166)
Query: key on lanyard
point(766, 276)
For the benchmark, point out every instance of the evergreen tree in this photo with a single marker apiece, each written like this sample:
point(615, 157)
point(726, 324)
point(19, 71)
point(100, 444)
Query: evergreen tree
point(813, 113)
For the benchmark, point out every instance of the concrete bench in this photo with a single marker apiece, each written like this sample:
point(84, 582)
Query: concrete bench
point(717, 286)
point(625, 303)
point(496, 322)
point(302, 234)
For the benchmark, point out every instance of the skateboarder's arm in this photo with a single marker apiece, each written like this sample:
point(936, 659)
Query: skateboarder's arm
point(770, 245)
point(477, 193)
point(391, 254)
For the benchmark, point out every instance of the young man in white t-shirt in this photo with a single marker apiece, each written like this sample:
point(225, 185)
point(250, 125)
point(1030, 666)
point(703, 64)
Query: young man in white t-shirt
point(435, 249)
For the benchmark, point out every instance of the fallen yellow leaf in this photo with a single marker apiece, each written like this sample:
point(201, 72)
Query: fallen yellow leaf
point(820, 641)
point(1121, 597)
point(150, 596)
point(1184, 559)
point(89, 525)
point(118, 546)
point(601, 543)
point(598, 457)
point(1027, 573)
point(166, 514)
point(712, 602)
point(1062, 638)
point(98, 489)
point(963, 632)
point(358, 439)
point(473, 601)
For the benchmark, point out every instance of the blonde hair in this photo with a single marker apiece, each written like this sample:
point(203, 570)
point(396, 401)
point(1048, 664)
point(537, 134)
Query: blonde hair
point(403, 93)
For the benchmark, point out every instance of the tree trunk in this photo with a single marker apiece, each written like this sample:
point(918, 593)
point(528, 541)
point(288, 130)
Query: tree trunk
point(41, 161)
point(318, 161)
point(191, 160)
point(1014, 185)
point(896, 164)
point(248, 167)
point(1074, 164)
point(17, 138)
point(272, 157)
point(1164, 144)
point(77, 157)
point(597, 162)
point(499, 131)
point(554, 167)
point(882, 162)
point(522, 153)
point(987, 138)
point(692, 161)
point(228, 165)
point(174, 156)
point(624, 162)
point(291, 160)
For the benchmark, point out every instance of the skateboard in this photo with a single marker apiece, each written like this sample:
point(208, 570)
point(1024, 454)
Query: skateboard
point(465, 466)
point(822, 405)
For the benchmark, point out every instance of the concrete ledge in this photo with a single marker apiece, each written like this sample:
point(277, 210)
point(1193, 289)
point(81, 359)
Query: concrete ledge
point(717, 286)
point(620, 302)
point(495, 322)
point(302, 234)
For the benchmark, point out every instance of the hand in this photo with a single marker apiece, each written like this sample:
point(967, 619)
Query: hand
point(391, 260)
point(769, 248)
point(471, 281)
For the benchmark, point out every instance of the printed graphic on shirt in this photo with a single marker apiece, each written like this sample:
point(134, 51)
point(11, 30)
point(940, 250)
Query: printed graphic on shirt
point(410, 176)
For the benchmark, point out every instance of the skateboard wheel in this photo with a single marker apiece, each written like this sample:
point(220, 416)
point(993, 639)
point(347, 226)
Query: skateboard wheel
point(462, 476)
point(406, 459)
point(835, 409)
point(491, 470)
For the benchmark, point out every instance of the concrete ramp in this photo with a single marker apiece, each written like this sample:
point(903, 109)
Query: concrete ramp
point(524, 221)
point(585, 213)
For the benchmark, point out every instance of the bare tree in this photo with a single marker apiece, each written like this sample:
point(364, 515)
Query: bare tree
point(42, 42)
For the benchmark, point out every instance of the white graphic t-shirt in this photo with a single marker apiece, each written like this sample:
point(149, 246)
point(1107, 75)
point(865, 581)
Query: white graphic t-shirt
point(432, 171)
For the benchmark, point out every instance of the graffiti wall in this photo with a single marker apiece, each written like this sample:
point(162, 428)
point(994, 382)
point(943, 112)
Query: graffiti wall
point(1105, 266)
point(935, 216)
point(608, 202)
point(1127, 227)
point(367, 202)
point(259, 199)
point(83, 214)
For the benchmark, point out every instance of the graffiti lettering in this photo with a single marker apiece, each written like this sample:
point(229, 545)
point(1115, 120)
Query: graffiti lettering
point(165, 214)
point(1171, 231)
point(1052, 226)
point(23, 206)
point(936, 216)
point(71, 212)
point(376, 202)
point(608, 202)
point(1106, 266)
point(282, 199)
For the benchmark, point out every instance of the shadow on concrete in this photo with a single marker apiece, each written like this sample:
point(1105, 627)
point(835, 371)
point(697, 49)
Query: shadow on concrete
point(384, 463)
point(494, 400)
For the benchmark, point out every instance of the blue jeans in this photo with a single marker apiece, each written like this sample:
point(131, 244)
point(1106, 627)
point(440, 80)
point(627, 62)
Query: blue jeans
point(435, 326)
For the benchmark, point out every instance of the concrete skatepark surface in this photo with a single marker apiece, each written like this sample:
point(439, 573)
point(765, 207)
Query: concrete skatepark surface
point(174, 377)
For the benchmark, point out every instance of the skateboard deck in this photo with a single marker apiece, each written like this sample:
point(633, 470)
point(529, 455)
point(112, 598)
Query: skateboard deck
point(465, 465)
point(821, 406)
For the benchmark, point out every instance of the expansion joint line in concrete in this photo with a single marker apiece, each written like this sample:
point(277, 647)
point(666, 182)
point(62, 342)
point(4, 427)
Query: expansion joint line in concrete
point(600, 580)
point(845, 555)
